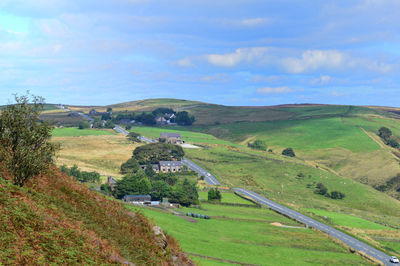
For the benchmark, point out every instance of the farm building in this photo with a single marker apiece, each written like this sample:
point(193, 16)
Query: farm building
point(165, 166)
point(173, 138)
point(137, 198)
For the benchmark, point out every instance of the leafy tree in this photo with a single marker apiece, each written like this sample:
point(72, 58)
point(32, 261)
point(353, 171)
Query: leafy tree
point(160, 190)
point(83, 125)
point(130, 166)
point(128, 127)
point(132, 185)
point(109, 124)
point(156, 152)
point(214, 194)
point(81, 176)
point(97, 123)
point(162, 111)
point(288, 152)
point(109, 109)
point(133, 136)
point(184, 193)
point(321, 189)
point(385, 134)
point(183, 118)
point(106, 116)
point(25, 147)
point(149, 119)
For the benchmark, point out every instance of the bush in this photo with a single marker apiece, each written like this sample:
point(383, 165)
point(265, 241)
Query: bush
point(83, 125)
point(128, 127)
point(214, 194)
point(288, 152)
point(258, 145)
point(183, 118)
point(81, 176)
point(337, 195)
point(393, 143)
point(321, 189)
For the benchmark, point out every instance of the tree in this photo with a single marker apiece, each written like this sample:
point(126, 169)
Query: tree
point(149, 119)
point(109, 109)
point(288, 152)
point(25, 147)
point(128, 127)
point(133, 136)
point(109, 124)
point(130, 166)
point(83, 125)
point(183, 118)
point(160, 190)
point(214, 194)
point(156, 152)
point(385, 134)
point(162, 111)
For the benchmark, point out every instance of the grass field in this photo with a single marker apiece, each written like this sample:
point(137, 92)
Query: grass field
point(75, 132)
point(187, 136)
point(103, 154)
point(235, 237)
point(227, 197)
point(305, 135)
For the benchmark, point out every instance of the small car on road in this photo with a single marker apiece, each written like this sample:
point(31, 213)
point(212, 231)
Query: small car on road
point(394, 259)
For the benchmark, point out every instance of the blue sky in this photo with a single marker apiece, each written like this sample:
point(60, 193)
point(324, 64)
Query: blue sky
point(232, 52)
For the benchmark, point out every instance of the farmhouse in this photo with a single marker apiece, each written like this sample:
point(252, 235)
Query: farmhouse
point(173, 138)
point(165, 166)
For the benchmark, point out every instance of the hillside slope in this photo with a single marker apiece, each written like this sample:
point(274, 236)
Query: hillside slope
point(55, 220)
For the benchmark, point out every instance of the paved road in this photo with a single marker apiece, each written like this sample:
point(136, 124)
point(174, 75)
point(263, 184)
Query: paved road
point(208, 177)
point(121, 130)
point(350, 241)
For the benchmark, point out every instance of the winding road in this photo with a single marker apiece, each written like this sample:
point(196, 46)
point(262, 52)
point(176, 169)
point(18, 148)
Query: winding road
point(348, 240)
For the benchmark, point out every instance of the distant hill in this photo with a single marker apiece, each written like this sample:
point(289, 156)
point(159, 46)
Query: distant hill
point(55, 220)
point(212, 114)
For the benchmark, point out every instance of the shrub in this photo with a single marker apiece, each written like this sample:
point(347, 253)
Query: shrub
point(83, 125)
point(288, 152)
point(321, 189)
point(258, 145)
point(337, 195)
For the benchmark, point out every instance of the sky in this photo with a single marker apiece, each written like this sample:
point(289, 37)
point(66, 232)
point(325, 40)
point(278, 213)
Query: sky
point(231, 52)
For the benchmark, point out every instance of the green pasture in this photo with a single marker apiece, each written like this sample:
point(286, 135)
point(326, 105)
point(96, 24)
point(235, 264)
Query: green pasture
point(75, 132)
point(187, 136)
point(247, 241)
point(348, 220)
point(294, 184)
point(227, 197)
point(305, 135)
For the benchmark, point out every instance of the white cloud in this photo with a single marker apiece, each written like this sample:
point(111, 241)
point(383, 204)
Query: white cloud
point(322, 80)
point(184, 62)
point(240, 55)
point(274, 90)
point(254, 22)
point(312, 60)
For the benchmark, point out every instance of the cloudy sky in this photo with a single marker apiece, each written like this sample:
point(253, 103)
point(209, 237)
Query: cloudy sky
point(233, 52)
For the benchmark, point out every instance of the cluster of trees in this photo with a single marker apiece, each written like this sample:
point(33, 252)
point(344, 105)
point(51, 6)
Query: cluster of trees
point(323, 190)
point(155, 152)
point(214, 194)
point(133, 136)
point(159, 185)
point(162, 111)
point(386, 135)
point(82, 176)
point(184, 119)
point(288, 152)
point(258, 145)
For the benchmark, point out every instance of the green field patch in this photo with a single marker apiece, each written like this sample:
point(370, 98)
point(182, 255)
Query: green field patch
point(250, 242)
point(227, 197)
point(187, 136)
point(75, 132)
point(348, 220)
point(305, 135)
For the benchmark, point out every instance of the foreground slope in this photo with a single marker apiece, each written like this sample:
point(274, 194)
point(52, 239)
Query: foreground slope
point(55, 220)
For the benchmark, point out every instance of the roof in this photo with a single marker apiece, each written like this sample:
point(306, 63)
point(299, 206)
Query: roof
point(137, 196)
point(170, 135)
point(171, 163)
